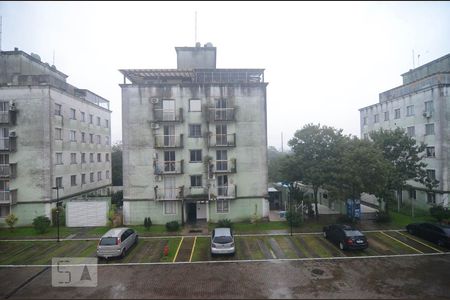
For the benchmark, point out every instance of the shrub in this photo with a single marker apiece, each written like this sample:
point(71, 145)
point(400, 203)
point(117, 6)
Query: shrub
point(439, 213)
point(41, 224)
point(62, 216)
point(295, 218)
point(117, 198)
point(382, 217)
point(225, 223)
point(11, 220)
point(147, 223)
point(172, 226)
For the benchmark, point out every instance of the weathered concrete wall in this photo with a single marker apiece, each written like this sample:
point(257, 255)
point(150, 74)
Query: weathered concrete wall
point(196, 58)
point(441, 64)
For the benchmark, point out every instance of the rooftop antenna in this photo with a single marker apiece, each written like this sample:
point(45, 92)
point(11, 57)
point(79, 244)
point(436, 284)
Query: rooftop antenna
point(414, 65)
point(195, 27)
point(53, 57)
point(0, 33)
point(418, 61)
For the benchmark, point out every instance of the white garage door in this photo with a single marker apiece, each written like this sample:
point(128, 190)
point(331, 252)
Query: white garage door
point(86, 213)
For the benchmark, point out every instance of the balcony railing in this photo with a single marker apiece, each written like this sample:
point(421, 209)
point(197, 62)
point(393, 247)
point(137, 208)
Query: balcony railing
point(225, 166)
point(225, 191)
point(8, 143)
point(4, 117)
point(221, 114)
point(5, 171)
point(169, 141)
point(222, 140)
point(169, 167)
point(167, 194)
point(5, 197)
point(164, 115)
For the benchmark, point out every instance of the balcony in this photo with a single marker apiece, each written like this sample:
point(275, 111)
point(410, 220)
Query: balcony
point(225, 166)
point(167, 194)
point(8, 143)
point(4, 117)
point(169, 141)
point(221, 114)
point(164, 115)
point(222, 140)
point(169, 167)
point(8, 197)
point(225, 191)
point(8, 171)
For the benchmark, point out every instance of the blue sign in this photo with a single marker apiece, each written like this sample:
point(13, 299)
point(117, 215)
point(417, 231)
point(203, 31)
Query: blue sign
point(353, 208)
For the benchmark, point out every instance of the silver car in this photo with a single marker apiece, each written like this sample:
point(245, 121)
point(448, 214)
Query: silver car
point(116, 242)
point(222, 242)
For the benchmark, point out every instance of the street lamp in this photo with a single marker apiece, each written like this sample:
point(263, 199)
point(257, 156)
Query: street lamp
point(57, 207)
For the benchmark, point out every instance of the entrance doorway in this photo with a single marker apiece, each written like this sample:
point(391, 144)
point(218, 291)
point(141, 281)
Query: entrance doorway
point(191, 212)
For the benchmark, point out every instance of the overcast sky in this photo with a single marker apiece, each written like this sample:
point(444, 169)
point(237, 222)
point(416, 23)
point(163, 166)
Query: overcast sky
point(323, 60)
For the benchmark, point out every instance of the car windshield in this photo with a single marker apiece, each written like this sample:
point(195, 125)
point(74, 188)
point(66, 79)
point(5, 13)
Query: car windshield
point(353, 233)
point(223, 239)
point(108, 241)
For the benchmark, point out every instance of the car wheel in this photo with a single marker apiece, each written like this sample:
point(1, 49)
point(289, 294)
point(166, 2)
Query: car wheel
point(341, 246)
point(325, 234)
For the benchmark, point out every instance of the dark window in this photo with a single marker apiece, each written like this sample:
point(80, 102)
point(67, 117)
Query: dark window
point(195, 155)
point(195, 130)
point(196, 180)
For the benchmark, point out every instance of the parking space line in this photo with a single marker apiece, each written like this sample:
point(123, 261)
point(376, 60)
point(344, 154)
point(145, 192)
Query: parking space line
point(401, 242)
point(193, 247)
point(178, 249)
point(409, 237)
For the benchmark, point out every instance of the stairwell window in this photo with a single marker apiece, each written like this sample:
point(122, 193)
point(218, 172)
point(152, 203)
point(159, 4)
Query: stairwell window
point(91, 119)
point(429, 129)
point(196, 181)
point(195, 130)
point(429, 106)
point(99, 121)
point(410, 110)
point(223, 206)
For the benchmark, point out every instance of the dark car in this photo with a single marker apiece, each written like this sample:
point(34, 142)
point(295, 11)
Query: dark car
point(345, 236)
point(439, 234)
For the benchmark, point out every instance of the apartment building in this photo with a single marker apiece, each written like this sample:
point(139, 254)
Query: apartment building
point(421, 106)
point(52, 134)
point(194, 141)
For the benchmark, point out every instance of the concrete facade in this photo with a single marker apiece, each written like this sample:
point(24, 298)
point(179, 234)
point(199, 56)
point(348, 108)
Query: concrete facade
point(194, 141)
point(41, 144)
point(421, 106)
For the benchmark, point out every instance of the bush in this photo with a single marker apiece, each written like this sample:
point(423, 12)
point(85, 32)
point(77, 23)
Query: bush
point(439, 213)
point(382, 217)
point(11, 220)
point(62, 216)
point(225, 223)
point(295, 217)
point(41, 224)
point(117, 198)
point(147, 223)
point(172, 226)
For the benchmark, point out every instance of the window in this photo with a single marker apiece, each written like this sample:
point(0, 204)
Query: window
point(73, 136)
point(83, 137)
point(107, 157)
point(429, 129)
point(83, 158)
point(195, 155)
point(99, 175)
point(431, 198)
point(99, 157)
point(411, 131)
point(4, 185)
point(83, 178)
point(83, 116)
point(4, 211)
point(58, 182)
point(57, 109)
point(397, 113)
point(4, 159)
point(91, 138)
point(91, 119)
point(364, 120)
point(412, 194)
point(376, 118)
point(168, 109)
point(73, 180)
point(169, 161)
point(223, 206)
point(73, 114)
point(222, 186)
point(107, 140)
point(386, 116)
point(195, 130)
point(99, 121)
point(410, 110)
point(196, 180)
point(107, 123)
point(107, 174)
point(221, 135)
point(170, 207)
point(221, 160)
point(91, 176)
point(91, 157)
point(195, 105)
point(429, 106)
point(73, 158)
point(431, 174)
point(59, 158)
point(58, 134)
point(431, 152)
point(99, 139)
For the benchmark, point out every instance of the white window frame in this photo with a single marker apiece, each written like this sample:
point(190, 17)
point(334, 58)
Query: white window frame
point(58, 134)
point(195, 105)
point(83, 178)
point(60, 183)
point(73, 158)
point(58, 109)
point(173, 210)
point(429, 125)
point(99, 175)
point(410, 110)
point(191, 132)
point(73, 182)
point(221, 211)
point(412, 129)
point(432, 151)
point(59, 158)
point(399, 113)
point(73, 114)
point(72, 135)
point(82, 116)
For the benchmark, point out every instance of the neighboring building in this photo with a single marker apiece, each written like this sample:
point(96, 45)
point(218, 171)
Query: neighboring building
point(194, 141)
point(421, 106)
point(51, 134)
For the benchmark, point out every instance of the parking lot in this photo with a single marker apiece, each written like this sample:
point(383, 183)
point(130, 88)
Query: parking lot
point(196, 249)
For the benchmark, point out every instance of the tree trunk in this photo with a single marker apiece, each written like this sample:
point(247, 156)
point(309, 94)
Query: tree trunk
point(316, 190)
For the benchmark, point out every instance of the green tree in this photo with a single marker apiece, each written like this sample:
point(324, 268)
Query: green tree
point(275, 164)
point(11, 220)
point(116, 164)
point(405, 157)
point(315, 155)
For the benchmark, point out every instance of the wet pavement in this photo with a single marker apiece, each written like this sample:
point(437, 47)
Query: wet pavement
point(391, 277)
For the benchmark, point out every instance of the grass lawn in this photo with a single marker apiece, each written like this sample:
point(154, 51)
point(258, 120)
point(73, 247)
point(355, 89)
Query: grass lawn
point(400, 220)
point(21, 232)
point(202, 249)
point(173, 246)
point(154, 230)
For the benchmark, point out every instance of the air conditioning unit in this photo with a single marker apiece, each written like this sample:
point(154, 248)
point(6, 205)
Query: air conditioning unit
point(12, 134)
point(427, 114)
point(12, 106)
point(154, 100)
point(154, 125)
point(158, 178)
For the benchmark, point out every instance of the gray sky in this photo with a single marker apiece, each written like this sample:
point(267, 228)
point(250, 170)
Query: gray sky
point(323, 60)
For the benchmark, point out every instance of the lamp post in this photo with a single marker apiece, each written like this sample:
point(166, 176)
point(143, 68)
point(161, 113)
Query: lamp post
point(57, 208)
point(290, 206)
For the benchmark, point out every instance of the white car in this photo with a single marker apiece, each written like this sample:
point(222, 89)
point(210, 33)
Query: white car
point(222, 242)
point(116, 242)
